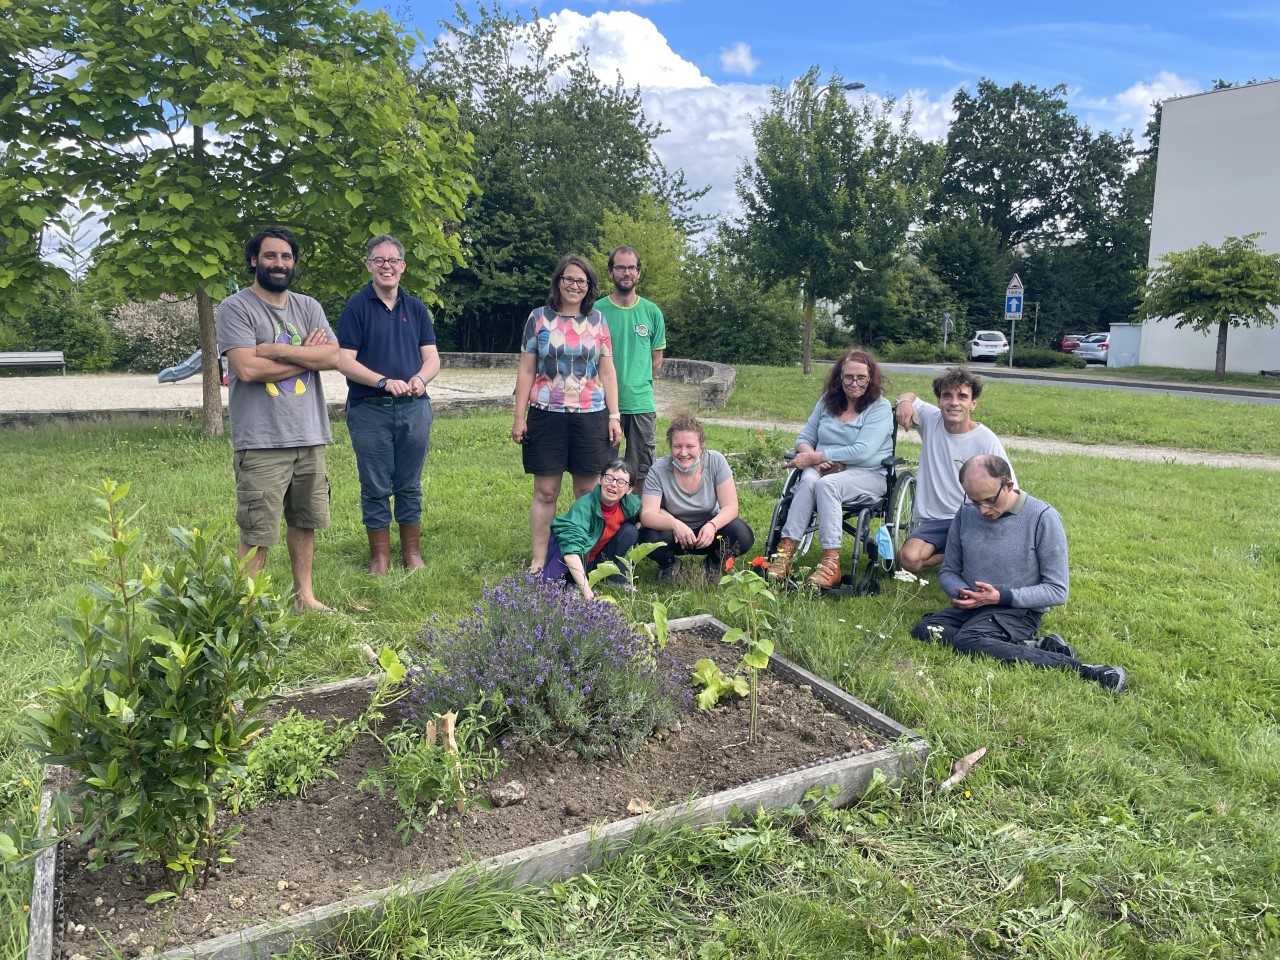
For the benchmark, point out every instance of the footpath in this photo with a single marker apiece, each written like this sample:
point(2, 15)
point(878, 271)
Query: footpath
point(28, 401)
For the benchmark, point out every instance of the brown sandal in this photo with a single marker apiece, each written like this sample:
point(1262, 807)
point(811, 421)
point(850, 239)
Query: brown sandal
point(780, 562)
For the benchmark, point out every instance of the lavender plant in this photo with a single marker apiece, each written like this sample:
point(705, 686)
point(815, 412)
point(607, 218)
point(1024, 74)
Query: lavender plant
point(543, 664)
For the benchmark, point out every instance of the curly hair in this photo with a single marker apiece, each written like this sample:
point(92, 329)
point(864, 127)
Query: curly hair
point(554, 300)
point(956, 377)
point(833, 395)
point(686, 422)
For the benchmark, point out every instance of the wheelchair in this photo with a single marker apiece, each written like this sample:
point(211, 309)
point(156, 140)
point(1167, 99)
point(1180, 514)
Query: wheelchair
point(861, 518)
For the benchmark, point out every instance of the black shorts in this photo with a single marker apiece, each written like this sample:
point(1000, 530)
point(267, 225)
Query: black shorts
point(556, 442)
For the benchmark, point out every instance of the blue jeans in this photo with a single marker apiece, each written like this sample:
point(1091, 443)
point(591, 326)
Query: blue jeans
point(390, 443)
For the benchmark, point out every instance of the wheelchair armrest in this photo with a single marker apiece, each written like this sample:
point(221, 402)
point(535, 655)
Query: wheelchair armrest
point(892, 461)
point(791, 454)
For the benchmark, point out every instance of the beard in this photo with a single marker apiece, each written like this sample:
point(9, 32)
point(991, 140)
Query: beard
point(276, 281)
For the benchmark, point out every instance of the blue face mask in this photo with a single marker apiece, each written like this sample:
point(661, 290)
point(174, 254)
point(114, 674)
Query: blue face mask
point(884, 544)
point(689, 469)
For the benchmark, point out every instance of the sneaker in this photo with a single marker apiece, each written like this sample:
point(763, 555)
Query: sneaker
point(1053, 643)
point(1112, 678)
point(670, 571)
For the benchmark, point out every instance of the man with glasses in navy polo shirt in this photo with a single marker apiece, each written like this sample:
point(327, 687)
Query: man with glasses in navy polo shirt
point(388, 354)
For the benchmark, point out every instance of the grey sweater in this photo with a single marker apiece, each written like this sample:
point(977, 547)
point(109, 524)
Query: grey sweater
point(1022, 554)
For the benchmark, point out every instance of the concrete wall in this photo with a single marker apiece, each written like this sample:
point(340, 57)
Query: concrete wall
point(1216, 178)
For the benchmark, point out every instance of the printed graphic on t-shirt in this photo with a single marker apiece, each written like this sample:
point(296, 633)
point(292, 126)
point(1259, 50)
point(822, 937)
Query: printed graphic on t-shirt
point(297, 386)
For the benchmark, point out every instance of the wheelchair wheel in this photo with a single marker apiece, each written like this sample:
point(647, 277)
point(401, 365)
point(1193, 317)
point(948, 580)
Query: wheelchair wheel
point(780, 512)
point(902, 507)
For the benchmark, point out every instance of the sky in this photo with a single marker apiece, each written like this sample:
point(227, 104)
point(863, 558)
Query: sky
point(705, 67)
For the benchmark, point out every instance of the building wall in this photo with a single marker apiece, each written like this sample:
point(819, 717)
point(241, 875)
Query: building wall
point(1218, 176)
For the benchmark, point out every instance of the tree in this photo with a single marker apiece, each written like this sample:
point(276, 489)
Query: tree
point(31, 203)
point(555, 149)
point(727, 315)
point(964, 253)
point(192, 123)
point(659, 241)
point(1019, 158)
point(1231, 285)
point(831, 191)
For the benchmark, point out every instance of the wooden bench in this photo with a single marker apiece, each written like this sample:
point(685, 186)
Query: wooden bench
point(35, 358)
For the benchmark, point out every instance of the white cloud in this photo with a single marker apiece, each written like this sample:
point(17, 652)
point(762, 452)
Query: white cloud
point(738, 60)
point(1131, 108)
point(623, 43)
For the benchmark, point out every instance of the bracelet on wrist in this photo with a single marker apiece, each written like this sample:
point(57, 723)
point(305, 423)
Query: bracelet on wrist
point(615, 416)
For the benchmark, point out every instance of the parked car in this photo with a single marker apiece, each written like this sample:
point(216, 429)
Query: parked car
point(1094, 347)
point(986, 345)
point(1067, 342)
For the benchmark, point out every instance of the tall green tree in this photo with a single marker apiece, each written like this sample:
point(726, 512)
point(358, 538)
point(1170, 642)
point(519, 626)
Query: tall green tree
point(1023, 161)
point(1234, 284)
point(192, 123)
point(31, 203)
point(659, 241)
point(831, 191)
point(964, 253)
point(555, 149)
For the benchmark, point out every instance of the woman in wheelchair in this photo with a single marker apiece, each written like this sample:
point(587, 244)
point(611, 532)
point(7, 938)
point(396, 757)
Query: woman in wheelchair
point(690, 503)
point(840, 451)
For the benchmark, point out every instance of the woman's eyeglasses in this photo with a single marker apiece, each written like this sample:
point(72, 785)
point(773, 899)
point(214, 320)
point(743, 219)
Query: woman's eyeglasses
point(573, 281)
point(609, 481)
point(849, 380)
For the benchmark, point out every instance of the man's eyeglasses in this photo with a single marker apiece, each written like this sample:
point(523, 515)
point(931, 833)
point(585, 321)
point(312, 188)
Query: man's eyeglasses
point(609, 481)
point(622, 269)
point(990, 502)
point(573, 281)
point(850, 380)
point(384, 261)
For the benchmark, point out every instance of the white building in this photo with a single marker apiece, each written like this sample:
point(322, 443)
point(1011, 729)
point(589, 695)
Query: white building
point(1218, 176)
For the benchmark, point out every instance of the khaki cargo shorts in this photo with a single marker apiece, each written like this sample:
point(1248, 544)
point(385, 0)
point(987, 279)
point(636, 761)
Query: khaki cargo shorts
point(291, 481)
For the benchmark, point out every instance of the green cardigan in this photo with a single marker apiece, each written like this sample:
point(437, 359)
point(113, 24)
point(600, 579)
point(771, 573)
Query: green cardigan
point(579, 527)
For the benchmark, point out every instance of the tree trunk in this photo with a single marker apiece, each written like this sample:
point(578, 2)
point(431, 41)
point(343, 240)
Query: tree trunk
point(806, 350)
point(212, 388)
point(1220, 361)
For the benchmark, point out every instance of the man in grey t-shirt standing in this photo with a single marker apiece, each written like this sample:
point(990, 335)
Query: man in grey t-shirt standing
point(276, 342)
point(949, 436)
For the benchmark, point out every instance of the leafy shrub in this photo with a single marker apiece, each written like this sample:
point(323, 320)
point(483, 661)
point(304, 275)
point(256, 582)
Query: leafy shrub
point(157, 333)
point(68, 321)
point(921, 351)
point(148, 718)
point(543, 664)
point(764, 456)
point(1040, 358)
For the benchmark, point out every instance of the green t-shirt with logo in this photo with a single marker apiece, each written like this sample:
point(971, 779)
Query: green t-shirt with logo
point(636, 332)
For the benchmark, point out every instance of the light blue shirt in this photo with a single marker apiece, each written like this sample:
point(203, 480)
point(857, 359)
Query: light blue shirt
point(862, 443)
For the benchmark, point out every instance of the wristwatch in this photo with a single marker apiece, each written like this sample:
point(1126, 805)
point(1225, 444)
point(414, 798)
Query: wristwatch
point(382, 384)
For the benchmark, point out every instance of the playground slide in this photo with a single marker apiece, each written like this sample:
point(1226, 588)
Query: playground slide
point(187, 368)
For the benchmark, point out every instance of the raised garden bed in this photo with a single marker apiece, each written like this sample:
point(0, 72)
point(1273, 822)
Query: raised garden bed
point(305, 865)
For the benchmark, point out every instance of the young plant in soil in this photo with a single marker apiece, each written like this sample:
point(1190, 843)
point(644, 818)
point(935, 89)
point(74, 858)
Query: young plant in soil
point(427, 776)
point(149, 721)
point(629, 600)
point(748, 597)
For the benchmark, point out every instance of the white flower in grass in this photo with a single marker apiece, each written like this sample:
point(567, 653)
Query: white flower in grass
point(906, 576)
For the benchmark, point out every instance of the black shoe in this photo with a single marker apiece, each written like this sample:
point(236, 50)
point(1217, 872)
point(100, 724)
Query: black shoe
point(1053, 643)
point(670, 571)
point(1112, 678)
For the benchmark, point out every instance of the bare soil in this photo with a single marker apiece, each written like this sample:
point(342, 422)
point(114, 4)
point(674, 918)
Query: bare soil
point(339, 841)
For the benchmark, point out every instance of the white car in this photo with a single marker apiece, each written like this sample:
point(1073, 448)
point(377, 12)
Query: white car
point(986, 345)
point(1094, 348)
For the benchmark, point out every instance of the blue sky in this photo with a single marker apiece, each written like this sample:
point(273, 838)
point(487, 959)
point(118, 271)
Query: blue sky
point(705, 66)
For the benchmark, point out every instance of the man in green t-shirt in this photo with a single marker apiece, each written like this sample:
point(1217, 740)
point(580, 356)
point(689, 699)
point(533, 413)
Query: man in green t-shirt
point(639, 336)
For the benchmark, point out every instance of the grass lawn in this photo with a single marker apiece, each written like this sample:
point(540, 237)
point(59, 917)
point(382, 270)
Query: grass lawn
point(1142, 825)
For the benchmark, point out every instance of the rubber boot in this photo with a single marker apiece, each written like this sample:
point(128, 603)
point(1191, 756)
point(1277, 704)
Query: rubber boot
point(828, 573)
point(780, 562)
point(410, 546)
point(379, 551)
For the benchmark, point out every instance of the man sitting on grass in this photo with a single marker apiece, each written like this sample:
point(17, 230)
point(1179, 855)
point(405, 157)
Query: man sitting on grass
point(1005, 566)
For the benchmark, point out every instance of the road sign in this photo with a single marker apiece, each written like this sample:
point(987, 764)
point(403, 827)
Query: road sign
point(1013, 299)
